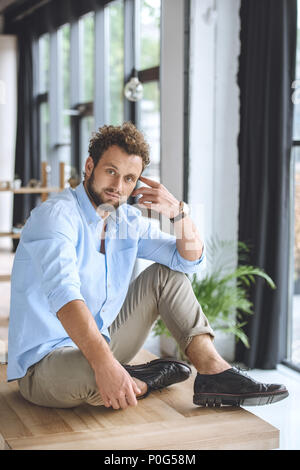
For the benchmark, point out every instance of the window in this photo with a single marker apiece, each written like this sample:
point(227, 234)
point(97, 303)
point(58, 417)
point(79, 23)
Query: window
point(82, 70)
point(87, 61)
point(150, 124)
point(53, 99)
point(293, 353)
point(86, 84)
point(64, 98)
point(42, 96)
point(296, 85)
point(149, 34)
point(149, 60)
point(115, 23)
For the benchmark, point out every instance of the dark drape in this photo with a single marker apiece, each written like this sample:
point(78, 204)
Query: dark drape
point(266, 73)
point(27, 158)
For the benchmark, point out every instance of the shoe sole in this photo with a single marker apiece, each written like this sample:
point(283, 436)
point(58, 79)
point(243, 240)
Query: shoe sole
point(217, 400)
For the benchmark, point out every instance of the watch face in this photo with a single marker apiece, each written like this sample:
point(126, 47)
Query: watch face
point(185, 208)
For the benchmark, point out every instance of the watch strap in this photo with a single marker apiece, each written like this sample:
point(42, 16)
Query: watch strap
point(178, 217)
point(181, 214)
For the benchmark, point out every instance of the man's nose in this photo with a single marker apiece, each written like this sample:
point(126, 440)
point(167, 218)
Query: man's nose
point(118, 185)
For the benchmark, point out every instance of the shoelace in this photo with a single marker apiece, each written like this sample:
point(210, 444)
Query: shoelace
point(240, 369)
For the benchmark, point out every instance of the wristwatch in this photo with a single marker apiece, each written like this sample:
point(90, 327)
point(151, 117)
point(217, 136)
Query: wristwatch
point(183, 211)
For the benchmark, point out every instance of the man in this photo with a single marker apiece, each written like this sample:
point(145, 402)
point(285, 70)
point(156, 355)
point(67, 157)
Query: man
point(77, 321)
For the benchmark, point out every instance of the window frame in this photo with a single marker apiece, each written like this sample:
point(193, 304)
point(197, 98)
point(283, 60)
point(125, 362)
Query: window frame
point(289, 333)
point(290, 314)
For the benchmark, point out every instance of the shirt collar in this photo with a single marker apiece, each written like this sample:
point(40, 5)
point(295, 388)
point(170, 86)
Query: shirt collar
point(90, 212)
point(86, 205)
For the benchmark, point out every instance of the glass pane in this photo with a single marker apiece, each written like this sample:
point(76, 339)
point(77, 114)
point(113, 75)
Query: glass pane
point(149, 34)
point(87, 39)
point(86, 128)
point(65, 93)
point(296, 85)
point(150, 125)
point(295, 327)
point(65, 67)
point(116, 61)
point(44, 63)
point(44, 131)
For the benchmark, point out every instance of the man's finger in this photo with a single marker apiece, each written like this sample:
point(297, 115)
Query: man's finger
point(150, 206)
point(150, 182)
point(106, 401)
point(131, 397)
point(136, 388)
point(115, 404)
point(142, 190)
point(123, 402)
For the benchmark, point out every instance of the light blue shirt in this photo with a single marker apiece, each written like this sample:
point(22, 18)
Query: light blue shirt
point(58, 260)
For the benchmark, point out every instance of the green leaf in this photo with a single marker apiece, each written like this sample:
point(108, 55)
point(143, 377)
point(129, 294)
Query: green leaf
point(160, 329)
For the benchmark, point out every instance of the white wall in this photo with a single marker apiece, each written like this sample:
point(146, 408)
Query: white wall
point(172, 95)
point(8, 110)
point(214, 121)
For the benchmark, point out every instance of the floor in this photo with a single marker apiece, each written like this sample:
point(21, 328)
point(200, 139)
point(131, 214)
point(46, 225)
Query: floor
point(166, 420)
point(284, 415)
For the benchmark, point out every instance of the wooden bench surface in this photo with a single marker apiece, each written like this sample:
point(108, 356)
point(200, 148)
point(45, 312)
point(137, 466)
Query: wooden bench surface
point(166, 419)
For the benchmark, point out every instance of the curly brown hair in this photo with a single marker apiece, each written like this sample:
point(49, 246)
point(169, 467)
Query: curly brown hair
point(126, 136)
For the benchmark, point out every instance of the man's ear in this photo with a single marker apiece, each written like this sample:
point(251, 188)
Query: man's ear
point(89, 166)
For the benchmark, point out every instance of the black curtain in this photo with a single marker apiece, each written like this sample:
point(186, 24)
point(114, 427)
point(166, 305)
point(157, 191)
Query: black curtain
point(266, 72)
point(27, 158)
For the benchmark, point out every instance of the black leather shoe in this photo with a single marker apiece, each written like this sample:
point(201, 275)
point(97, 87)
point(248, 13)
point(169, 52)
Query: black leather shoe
point(234, 387)
point(159, 373)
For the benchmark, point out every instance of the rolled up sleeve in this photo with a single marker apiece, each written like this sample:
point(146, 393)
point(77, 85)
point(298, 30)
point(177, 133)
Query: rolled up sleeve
point(188, 266)
point(50, 241)
point(156, 245)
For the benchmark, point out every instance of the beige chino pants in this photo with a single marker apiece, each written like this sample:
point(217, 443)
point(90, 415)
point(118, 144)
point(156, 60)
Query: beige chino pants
point(65, 379)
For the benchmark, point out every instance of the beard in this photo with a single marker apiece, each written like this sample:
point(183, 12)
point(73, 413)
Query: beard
point(97, 197)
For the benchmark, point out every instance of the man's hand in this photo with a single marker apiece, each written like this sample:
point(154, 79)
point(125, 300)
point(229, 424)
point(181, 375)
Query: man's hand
point(116, 386)
point(157, 197)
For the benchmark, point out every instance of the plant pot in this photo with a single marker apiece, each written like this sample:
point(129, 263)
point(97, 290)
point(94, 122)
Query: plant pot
point(168, 347)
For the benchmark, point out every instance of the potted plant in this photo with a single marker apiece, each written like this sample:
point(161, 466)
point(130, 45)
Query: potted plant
point(223, 290)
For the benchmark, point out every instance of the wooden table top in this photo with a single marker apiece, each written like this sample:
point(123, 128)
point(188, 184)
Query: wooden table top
point(166, 419)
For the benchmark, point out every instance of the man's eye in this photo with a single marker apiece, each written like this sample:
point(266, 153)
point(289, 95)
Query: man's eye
point(111, 172)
